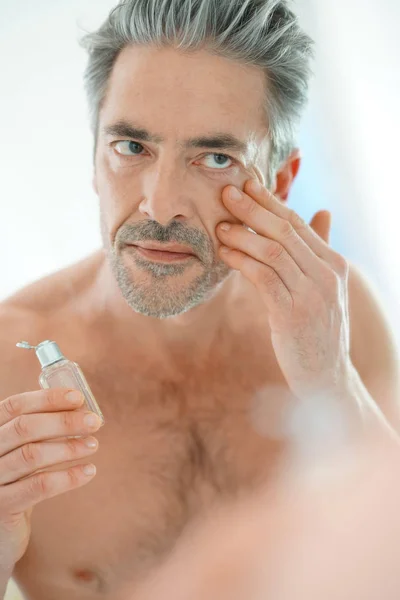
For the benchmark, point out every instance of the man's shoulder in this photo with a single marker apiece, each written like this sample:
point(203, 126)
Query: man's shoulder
point(373, 346)
point(15, 320)
point(44, 297)
point(368, 318)
point(28, 307)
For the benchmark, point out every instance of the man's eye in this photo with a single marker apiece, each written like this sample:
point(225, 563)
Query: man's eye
point(221, 164)
point(128, 148)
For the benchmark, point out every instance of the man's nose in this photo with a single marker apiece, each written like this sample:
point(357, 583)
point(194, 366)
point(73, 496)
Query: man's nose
point(164, 197)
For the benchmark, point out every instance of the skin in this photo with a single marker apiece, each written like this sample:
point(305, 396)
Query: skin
point(173, 349)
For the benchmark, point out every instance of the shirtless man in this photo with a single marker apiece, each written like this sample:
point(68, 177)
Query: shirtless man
point(178, 348)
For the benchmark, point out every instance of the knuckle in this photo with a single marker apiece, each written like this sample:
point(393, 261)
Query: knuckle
point(30, 454)
point(53, 398)
point(275, 251)
point(72, 475)
point(265, 276)
point(249, 205)
point(341, 264)
point(21, 426)
point(67, 420)
point(38, 485)
point(12, 406)
point(73, 448)
point(286, 229)
point(295, 220)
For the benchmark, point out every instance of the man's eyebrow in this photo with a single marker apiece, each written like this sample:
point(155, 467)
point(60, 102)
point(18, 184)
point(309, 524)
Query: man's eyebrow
point(218, 140)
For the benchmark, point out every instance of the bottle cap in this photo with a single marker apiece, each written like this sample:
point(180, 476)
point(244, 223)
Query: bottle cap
point(47, 352)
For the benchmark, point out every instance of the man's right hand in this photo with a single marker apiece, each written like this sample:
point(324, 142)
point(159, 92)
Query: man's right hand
point(27, 422)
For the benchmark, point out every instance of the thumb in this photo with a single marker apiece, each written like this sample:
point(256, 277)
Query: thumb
point(321, 224)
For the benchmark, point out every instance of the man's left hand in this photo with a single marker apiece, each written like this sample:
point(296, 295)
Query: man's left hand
point(302, 281)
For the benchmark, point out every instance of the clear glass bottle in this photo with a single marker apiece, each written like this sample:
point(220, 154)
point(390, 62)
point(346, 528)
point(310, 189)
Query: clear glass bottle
point(59, 372)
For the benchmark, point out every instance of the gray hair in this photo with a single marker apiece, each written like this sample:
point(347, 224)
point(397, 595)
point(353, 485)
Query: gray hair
point(261, 33)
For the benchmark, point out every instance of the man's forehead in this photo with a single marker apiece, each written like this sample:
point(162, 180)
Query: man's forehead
point(203, 94)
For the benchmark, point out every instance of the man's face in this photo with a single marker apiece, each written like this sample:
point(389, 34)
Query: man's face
point(156, 191)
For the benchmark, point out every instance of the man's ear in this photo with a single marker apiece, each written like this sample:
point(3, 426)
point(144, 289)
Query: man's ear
point(286, 175)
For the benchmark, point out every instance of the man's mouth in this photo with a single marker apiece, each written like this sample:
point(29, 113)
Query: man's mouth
point(171, 253)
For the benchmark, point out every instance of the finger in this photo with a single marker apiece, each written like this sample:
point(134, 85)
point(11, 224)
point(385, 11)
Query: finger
point(265, 251)
point(268, 201)
point(278, 297)
point(49, 400)
point(269, 225)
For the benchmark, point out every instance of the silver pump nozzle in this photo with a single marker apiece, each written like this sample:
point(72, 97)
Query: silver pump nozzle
point(47, 352)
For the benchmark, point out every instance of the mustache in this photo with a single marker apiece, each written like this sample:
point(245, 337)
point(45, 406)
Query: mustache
point(175, 232)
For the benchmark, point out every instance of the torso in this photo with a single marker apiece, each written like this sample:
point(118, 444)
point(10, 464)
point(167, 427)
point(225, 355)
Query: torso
point(171, 446)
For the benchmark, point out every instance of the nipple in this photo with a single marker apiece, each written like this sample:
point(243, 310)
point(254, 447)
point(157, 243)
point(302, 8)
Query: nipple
point(89, 578)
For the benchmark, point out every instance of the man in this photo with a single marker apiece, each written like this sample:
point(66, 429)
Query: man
point(181, 343)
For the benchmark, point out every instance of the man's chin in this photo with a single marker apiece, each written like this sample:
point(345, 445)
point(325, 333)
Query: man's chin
point(167, 295)
point(160, 312)
point(162, 303)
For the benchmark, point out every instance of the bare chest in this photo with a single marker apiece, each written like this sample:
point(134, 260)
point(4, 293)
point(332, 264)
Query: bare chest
point(171, 446)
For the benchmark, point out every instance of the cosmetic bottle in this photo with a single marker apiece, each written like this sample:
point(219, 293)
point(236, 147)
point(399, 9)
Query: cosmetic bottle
point(59, 372)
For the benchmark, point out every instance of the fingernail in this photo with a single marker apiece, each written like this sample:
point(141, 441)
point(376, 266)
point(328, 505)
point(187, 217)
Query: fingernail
point(89, 469)
point(91, 443)
point(255, 186)
point(234, 194)
point(92, 420)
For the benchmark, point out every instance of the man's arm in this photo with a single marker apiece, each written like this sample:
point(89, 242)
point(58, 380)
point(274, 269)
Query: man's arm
point(373, 349)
